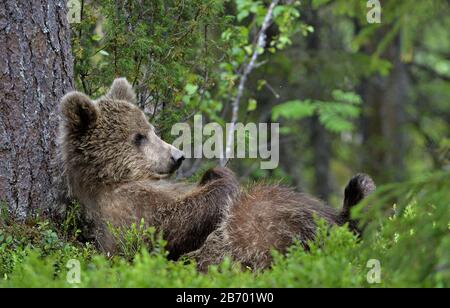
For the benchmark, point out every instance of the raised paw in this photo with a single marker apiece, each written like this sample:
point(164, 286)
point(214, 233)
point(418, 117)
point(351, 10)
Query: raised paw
point(217, 173)
point(359, 187)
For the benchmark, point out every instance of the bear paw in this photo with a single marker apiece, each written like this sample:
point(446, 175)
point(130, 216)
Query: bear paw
point(217, 173)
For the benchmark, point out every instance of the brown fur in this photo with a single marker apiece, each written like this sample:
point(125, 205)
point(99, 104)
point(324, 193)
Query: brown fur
point(119, 180)
point(272, 217)
point(116, 165)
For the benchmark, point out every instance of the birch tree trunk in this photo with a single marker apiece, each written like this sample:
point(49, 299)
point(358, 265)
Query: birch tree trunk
point(35, 72)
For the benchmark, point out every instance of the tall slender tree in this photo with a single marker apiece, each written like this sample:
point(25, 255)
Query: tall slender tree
point(35, 72)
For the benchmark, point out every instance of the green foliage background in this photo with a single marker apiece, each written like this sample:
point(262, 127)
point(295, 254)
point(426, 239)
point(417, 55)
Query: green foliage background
point(350, 96)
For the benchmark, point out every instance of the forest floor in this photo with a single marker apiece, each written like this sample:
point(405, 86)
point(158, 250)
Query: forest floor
point(408, 248)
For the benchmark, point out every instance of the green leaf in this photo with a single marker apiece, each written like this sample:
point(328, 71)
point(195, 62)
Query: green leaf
point(334, 123)
point(248, 49)
point(336, 117)
point(261, 84)
point(96, 37)
point(277, 11)
point(242, 15)
point(191, 89)
point(252, 105)
point(347, 97)
point(293, 110)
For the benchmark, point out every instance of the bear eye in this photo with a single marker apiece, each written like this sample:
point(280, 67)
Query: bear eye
point(139, 139)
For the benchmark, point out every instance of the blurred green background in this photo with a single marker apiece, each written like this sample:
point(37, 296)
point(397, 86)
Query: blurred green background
point(351, 96)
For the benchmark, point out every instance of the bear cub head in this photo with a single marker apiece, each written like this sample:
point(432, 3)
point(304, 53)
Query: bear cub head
point(110, 141)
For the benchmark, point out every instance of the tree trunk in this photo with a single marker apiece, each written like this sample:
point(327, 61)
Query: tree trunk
point(36, 71)
point(321, 144)
point(384, 118)
point(319, 137)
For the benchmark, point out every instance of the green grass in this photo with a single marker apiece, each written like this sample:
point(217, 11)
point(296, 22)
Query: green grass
point(410, 240)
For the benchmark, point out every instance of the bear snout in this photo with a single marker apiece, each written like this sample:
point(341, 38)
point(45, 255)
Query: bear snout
point(177, 159)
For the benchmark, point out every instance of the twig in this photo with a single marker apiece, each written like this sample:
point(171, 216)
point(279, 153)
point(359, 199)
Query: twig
point(271, 89)
point(261, 42)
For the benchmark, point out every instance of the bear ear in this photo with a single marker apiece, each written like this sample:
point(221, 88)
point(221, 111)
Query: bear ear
point(121, 89)
point(79, 112)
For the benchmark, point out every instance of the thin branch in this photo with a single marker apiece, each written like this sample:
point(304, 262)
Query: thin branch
point(261, 42)
point(271, 89)
point(258, 65)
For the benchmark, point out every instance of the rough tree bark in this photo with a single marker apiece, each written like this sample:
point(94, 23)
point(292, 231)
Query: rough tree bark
point(35, 72)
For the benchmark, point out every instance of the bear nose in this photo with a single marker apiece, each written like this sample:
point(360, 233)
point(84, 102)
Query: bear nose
point(178, 158)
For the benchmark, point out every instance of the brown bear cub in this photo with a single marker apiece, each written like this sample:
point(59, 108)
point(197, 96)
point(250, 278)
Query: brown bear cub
point(115, 165)
point(118, 168)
